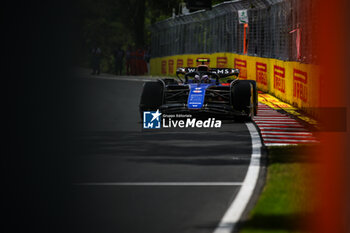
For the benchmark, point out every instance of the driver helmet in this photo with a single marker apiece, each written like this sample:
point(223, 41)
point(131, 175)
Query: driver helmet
point(205, 78)
point(196, 78)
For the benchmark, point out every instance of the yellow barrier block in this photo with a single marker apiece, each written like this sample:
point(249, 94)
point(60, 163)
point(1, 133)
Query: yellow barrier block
point(294, 83)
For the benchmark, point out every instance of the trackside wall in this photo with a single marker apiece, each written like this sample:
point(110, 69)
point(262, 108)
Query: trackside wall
point(293, 82)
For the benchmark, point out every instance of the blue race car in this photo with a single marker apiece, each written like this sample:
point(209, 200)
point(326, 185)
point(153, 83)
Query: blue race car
point(201, 91)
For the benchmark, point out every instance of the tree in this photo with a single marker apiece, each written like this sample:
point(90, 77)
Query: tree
point(112, 23)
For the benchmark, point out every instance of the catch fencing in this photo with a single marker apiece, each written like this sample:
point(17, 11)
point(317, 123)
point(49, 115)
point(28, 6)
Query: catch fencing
point(276, 29)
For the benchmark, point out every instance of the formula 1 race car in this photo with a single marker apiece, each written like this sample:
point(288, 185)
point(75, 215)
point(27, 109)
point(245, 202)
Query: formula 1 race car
point(202, 91)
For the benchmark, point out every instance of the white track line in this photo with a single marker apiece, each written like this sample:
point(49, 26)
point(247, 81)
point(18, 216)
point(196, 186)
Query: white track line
point(281, 124)
point(289, 136)
point(160, 184)
point(122, 78)
point(270, 114)
point(284, 129)
point(235, 210)
point(274, 120)
point(271, 118)
point(280, 144)
point(270, 140)
point(285, 133)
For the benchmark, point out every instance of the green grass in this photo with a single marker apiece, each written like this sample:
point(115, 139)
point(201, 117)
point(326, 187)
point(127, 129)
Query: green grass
point(284, 204)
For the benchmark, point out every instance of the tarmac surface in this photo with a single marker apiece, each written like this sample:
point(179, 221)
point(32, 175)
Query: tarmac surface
point(129, 180)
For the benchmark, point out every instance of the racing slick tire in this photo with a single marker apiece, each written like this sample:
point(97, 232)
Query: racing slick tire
point(255, 96)
point(151, 97)
point(243, 100)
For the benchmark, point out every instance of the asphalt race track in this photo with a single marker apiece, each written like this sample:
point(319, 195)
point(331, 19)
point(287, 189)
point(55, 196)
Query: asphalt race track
point(129, 180)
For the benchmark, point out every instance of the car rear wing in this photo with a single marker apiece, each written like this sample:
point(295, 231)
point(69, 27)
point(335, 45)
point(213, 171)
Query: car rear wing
point(225, 72)
point(222, 72)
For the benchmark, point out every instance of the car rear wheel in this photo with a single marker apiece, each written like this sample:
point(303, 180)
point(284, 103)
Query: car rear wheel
point(255, 96)
point(243, 100)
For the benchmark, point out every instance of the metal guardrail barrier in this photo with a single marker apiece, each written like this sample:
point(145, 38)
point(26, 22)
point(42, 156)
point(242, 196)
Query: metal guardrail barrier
point(275, 27)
